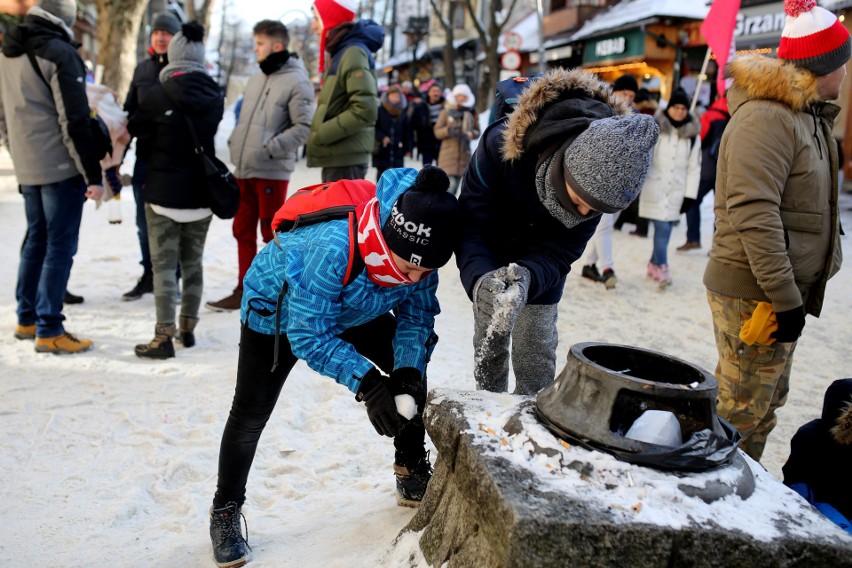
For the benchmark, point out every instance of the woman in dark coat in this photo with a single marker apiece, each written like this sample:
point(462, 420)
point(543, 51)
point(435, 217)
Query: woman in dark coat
point(176, 204)
point(393, 132)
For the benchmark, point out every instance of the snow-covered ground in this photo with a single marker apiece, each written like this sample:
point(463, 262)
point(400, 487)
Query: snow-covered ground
point(109, 460)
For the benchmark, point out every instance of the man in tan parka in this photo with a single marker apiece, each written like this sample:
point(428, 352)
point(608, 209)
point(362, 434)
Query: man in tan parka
point(777, 226)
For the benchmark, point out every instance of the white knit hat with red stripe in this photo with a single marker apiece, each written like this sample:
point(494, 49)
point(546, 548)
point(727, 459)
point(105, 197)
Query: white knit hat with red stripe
point(813, 38)
point(332, 13)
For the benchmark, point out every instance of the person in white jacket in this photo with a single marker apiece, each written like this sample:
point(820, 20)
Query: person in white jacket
point(674, 174)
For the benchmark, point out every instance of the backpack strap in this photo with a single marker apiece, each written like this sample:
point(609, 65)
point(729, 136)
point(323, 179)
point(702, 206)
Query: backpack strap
point(355, 264)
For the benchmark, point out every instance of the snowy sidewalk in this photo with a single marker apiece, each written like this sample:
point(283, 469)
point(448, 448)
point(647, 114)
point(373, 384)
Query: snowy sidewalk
point(109, 460)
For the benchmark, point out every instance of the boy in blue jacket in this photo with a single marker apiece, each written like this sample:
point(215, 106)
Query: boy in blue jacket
point(346, 332)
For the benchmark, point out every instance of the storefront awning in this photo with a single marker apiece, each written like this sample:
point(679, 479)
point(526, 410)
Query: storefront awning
point(631, 13)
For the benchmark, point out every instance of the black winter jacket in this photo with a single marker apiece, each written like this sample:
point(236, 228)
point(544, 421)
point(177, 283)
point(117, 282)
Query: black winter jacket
point(145, 77)
point(503, 219)
point(175, 177)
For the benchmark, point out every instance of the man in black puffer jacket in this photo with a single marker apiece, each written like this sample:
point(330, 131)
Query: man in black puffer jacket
point(145, 76)
point(176, 205)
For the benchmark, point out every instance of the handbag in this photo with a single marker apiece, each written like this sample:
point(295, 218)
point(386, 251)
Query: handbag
point(223, 193)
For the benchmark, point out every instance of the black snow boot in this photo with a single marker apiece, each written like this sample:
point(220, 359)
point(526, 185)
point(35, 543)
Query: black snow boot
point(161, 347)
point(186, 334)
point(230, 549)
point(411, 481)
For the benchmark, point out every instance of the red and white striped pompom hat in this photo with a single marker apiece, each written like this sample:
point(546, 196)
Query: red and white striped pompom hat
point(813, 38)
point(331, 14)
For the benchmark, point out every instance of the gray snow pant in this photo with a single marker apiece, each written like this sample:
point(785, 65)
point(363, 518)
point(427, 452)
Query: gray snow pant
point(533, 343)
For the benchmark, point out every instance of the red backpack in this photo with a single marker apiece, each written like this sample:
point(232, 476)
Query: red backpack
point(327, 202)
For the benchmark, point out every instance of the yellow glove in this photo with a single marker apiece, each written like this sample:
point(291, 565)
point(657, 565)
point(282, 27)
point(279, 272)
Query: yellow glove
point(759, 327)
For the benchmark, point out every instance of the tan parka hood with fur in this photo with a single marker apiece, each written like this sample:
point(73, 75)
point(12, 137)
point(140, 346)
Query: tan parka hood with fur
point(777, 227)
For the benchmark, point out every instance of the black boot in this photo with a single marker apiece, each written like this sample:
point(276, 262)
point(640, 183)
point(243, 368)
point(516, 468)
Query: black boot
point(186, 334)
point(161, 347)
point(411, 481)
point(72, 298)
point(230, 549)
point(145, 285)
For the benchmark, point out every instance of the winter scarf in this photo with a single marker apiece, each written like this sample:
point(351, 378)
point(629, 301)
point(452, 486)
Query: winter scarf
point(381, 269)
point(677, 123)
point(549, 182)
point(274, 62)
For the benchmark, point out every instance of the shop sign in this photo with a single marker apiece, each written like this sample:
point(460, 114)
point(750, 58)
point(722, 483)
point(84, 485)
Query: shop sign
point(760, 22)
point(620, 46)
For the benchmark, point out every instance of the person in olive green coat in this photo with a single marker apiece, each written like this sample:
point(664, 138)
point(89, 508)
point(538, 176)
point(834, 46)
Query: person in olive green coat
point(342, 132)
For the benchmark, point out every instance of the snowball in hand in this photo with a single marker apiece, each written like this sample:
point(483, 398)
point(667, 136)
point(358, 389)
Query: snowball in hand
point(405, 405)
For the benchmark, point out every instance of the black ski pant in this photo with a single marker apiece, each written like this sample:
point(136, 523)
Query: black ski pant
point(257, 392)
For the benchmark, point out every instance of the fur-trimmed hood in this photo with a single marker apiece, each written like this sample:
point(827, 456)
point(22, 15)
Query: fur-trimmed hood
point(837, 411)
point(759, 77)
point(556, 85)
point(688, 130)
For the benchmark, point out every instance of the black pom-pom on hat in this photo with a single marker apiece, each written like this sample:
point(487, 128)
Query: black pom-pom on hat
point(431, 179)
point(423, 227)
point(193, 31)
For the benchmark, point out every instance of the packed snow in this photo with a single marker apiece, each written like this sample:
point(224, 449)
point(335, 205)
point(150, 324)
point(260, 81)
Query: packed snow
point(110, 460)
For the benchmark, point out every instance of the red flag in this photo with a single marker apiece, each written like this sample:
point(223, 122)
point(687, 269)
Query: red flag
point(718, 29)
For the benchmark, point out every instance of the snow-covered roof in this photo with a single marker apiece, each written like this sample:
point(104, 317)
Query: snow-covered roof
point(632, 12)
point(404, 56)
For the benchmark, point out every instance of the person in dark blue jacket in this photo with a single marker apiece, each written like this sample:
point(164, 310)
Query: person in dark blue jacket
point(821, 457)
point(531, 199)
point(374, 335)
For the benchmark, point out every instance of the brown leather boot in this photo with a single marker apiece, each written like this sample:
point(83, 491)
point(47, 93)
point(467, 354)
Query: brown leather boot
point(161, 347)
point(228, 303)
point(187, 327)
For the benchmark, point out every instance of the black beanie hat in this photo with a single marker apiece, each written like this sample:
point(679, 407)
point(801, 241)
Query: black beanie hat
point(625, 83)
point(679, 97)
point(423, 225)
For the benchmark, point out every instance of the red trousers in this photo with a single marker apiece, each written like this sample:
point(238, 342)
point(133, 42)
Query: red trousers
point(259, 200)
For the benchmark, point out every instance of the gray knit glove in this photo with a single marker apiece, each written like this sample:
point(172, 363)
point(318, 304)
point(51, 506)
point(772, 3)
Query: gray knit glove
point(500, 294)
point(498, 298)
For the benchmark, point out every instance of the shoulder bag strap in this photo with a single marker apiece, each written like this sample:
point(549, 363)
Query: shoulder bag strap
point(197, 147)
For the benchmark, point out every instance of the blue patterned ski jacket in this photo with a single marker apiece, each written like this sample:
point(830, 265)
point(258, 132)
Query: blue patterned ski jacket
point(317, 307)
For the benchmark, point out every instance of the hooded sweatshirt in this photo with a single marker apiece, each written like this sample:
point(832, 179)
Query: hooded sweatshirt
point(48, 127)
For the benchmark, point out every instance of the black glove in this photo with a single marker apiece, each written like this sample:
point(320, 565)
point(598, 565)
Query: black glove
point(687, 204)
point(790, 325)
point(381, 408)
point(408, 380)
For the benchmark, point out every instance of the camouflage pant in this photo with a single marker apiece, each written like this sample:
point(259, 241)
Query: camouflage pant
point(753, 379)
point(171, 241)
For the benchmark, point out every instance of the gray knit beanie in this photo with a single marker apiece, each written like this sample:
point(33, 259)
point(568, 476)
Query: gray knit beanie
point(166, 22)
point(188, 44)
point(607, 163)
point(65, 10)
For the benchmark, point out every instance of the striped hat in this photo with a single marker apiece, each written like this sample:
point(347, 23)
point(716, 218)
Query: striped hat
point(813, 38)
point(332, 13)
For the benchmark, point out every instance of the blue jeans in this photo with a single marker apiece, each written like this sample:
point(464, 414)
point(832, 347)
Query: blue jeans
point(662, 235)
point(140, 172)
point(53, 225)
